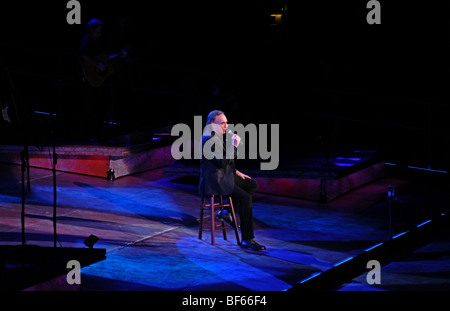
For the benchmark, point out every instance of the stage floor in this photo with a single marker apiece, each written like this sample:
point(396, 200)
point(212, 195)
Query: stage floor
point(148, 224)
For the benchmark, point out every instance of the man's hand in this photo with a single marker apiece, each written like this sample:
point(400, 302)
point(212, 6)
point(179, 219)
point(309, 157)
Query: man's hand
point(100, 67)
point(242, 175)
point(235, 140)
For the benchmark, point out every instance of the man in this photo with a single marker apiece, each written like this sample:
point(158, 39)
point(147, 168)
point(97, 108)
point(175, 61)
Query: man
point(93, 98)
point(91, 45)
point(219, 176)
point(96, 65)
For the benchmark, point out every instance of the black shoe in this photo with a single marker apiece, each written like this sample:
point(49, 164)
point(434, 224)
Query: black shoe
point(223, 215)
point(246, 244)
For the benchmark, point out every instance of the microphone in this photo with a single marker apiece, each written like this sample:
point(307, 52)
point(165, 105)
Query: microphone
point(231, 134)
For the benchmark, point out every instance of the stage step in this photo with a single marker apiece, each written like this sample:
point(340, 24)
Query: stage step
point(311, 177)
point(101, 161)
point(35, 268)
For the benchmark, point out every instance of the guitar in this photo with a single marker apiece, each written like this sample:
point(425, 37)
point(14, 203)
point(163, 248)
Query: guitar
point(96, 77)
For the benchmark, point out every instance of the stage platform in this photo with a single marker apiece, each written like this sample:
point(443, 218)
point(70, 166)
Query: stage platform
point(147, 223)
point(38, 268)
point(313, 174)
point(94, 159)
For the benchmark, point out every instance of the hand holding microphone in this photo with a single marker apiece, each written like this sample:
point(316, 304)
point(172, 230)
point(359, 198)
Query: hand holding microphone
point(235, 139)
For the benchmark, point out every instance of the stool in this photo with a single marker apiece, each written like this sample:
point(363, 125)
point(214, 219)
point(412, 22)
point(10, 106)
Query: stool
point(208, 202)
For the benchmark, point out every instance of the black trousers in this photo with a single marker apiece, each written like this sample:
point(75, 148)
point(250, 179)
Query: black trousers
point(242, 200)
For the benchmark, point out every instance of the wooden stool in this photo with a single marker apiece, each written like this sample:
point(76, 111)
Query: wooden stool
point(208, 202)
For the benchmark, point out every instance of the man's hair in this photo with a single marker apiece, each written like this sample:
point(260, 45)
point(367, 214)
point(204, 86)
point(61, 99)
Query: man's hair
point(212, 115)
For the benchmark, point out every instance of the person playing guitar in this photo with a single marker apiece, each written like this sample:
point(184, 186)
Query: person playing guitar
point(96, 66)
point(96, 108)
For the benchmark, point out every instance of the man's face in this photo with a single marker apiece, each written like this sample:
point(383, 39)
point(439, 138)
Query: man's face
point(221, 120)
point(97, 33)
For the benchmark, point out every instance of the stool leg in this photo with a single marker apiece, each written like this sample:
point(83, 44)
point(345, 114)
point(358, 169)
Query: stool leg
point(224, 231)
point(200, 229)
point(213, 225)
point(236, 230)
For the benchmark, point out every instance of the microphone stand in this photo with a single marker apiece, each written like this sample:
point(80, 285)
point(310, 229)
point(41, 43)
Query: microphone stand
point(24, 158)
point(55, 160)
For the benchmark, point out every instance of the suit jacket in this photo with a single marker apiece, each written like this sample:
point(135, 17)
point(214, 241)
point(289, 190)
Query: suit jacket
point(217, 174)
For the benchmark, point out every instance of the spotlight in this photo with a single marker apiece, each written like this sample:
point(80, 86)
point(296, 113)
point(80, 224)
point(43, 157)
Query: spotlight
point(90, 241)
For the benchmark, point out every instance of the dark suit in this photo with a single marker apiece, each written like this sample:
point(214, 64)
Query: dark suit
point(218, 177)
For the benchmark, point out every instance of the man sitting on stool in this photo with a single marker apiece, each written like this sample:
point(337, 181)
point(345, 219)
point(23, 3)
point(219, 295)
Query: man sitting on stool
point(218, 176)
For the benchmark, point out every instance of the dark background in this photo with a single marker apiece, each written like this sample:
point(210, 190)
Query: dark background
point(325, 75)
